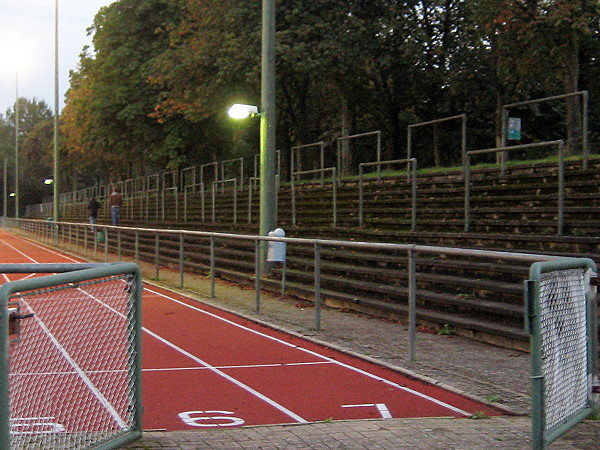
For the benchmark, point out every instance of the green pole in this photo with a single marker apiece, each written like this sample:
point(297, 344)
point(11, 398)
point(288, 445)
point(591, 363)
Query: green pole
point(268, 202)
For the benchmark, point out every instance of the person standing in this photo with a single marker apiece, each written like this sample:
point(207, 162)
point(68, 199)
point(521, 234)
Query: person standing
point(93, 207)
point(115, 201)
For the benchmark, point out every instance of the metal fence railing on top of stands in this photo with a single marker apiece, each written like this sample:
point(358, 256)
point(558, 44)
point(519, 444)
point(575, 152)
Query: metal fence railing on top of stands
point(167, 196)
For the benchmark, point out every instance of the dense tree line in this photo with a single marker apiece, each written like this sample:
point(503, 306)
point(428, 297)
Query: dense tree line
point(35, 147)
point(152, 92)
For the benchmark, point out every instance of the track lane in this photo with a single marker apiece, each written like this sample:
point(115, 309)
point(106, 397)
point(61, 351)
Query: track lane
point(203, 367)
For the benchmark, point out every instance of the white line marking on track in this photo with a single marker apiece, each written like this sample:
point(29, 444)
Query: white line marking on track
point(310, 352)
point(49, 250)
point(281, 342)
point(172, 369)
point(249, 366)
point(112, 411)
point(214, 369)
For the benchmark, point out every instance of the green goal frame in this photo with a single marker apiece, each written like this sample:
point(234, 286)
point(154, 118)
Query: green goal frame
point(118, 282)
point(561, 317)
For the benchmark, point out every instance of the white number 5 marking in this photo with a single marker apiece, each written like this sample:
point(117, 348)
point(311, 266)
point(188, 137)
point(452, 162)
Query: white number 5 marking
point(200, 419)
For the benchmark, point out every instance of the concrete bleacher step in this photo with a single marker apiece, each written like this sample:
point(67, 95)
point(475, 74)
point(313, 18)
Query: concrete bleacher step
point(516, 212)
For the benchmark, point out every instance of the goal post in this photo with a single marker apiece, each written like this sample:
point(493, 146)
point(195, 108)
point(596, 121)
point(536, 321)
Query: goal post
point(562, 320)
point(70, 356)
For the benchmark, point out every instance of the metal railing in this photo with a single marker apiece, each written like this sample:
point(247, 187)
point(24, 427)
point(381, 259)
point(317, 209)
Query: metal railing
point(584, 116)
point(333, 191)
point(413, 178)
point(377, 135)
point(561, 178)
point(80, 239)
point(461, 117)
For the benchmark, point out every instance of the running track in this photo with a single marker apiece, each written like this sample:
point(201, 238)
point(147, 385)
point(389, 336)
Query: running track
point(203, 367)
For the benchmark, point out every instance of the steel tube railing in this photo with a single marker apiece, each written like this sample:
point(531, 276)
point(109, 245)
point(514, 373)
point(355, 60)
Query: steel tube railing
point(561, 178)
point(412, 250)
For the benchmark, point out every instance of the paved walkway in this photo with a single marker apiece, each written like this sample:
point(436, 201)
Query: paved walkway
point(490, 373)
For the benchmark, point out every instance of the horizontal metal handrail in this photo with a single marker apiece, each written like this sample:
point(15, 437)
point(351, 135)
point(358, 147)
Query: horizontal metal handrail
point(57, 232)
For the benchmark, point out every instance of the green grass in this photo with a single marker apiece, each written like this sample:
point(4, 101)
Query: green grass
point(446, 330)
point(478, 415)
point(434, 170)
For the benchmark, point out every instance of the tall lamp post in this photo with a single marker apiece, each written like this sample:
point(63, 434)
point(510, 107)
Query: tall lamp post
point(17, 146)
point(5, 192)
point(55, 205)
point(268, 195)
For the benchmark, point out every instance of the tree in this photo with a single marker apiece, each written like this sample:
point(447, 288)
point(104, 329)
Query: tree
point(110, 101)
point(35, 146)
point(539, 45)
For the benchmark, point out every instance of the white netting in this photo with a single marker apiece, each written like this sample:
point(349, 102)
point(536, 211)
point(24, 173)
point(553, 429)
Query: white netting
point(71, 383)
point(564, 346)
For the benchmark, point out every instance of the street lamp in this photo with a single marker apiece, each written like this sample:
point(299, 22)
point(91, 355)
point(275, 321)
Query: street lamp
point(241, 111)
point(268, 197)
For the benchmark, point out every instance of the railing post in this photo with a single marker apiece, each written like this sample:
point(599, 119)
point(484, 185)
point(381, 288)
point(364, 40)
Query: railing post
point(317, 247)
point(293, 192)
point(137, 247)
point(257, 273)
point(181, 260)
point(202, 200)
point(360, 196)
point(561, 188)
point(467, 192)
point(213, 201)
point(185, 204)
point(412, 305)
point(235, 200)
point(585, 113)
point(413, 223)
point(334, 193)
point(212, 266)
point(156, 256)
point(106, 245)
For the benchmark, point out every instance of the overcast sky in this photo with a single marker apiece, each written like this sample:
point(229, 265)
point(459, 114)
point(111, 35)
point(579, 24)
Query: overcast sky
point(27, 27)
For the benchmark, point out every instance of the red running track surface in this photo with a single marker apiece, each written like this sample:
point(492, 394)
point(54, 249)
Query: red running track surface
point(203, 367)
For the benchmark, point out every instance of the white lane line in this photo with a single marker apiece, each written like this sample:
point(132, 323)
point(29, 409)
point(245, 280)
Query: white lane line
point(229, 378)
point(318, 355)
point(171, 369)
point(246, 366)
point(20, 252)
point(279, 341)
point(213, 369)
point(111, 410)
point(49, 250)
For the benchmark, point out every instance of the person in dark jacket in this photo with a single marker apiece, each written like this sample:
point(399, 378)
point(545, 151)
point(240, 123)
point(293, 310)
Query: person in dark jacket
point(93, 207)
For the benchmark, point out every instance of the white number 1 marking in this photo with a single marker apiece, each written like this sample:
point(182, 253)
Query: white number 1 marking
point(381, 407)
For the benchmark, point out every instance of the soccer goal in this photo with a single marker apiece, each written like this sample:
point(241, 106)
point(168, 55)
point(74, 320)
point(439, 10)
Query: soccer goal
point(562, 320)
point(70, 356)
